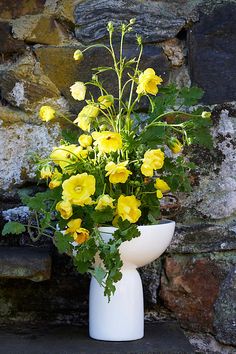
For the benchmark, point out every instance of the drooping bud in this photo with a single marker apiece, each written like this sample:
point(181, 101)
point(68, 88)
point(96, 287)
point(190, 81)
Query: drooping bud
point(175, 145)
point(206, 114)
point(78, 55)
point(110, 27)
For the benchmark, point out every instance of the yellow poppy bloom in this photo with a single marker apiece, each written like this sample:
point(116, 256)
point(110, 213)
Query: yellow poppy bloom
point(47, 113)
point(78, 91)
point(65, 155)
point(79, 234)
point(107, 141)
point(86, 116)
point(148, 82)
point(127, 208)
point(78, 189)
point(117, 173)
point(85, 140)
point(64, 207)
point(104, 201)
point(153, 160)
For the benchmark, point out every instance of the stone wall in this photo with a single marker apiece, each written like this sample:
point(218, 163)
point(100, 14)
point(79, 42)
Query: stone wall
point(186, 41)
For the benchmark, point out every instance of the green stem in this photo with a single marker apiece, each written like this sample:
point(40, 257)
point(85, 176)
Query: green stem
point(170, 113)
point(67, 119)
point(96, 46)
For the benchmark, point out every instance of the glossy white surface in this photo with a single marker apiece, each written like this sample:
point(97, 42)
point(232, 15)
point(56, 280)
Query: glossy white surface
point(122, 319)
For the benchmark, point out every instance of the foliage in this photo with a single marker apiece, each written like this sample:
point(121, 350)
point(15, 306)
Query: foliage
point(120, 168)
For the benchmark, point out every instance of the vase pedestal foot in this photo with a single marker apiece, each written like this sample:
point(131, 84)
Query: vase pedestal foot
point(121, 319)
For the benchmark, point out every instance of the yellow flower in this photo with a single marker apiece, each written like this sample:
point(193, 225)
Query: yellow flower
point(206, 114)
point(46, 172)
point(127, 208)
point(153, 160)
point(85, 140)
point(65, 155)
point(117, 173)
point(78, 91)
point(104, 201)
point(64, 208)
point(162, 185)
point(107, 141)
point(175, 145)
point(146, 170)
point(106, 101)
point(78, 55)
point(79, 234)
point(86, 116)
point(47, 113)
point(78, 189)
point(148, 81)
point(159, 194)
point(56, 180)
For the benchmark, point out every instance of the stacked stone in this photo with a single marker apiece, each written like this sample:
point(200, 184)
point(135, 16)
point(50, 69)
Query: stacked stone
point(185, 41)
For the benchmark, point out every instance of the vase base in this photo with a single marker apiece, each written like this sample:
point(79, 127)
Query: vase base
point(116, 339)
point(121, 319)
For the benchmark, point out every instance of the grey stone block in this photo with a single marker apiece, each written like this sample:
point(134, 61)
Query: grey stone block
point(25, 263)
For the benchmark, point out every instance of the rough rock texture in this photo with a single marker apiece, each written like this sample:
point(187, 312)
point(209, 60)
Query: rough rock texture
point(156, 20)
point(189, 288)
point(7, 43)
point(25, 263)
point(17, 144)
point(215, 196)
point(11, 9)
point(24, 84)
point(57, 300)
point(212, 53)
point(225, 310)
point(39, 29)
point(202, 238)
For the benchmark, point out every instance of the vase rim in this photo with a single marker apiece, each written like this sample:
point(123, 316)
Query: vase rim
point(162, 222)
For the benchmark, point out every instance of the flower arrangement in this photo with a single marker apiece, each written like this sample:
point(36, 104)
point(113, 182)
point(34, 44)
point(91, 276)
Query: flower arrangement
point(121, 168)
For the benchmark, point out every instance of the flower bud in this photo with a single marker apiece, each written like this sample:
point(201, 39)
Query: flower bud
point(132, 21)
point(110, 27)
point(175, 145)
point(139, 40)
point(206, 115)
point(95, 77)
point(78, 55)
point(106, 101)
point(47, 113)
point(46, 172)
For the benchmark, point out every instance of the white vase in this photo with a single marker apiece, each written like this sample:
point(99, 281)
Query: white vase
point(122, 319)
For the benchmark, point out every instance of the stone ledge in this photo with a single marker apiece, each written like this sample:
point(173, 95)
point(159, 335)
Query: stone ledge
point(161, 337)
point(25, 263)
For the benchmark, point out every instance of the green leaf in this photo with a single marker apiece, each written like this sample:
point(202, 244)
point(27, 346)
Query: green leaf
point(102, 217)
point(99, 273)
point(62, 242)
point(70, 136)
point(191, 95)
point(153, 136)
point(13, 227)
point(81, 266)
point(38, 202)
